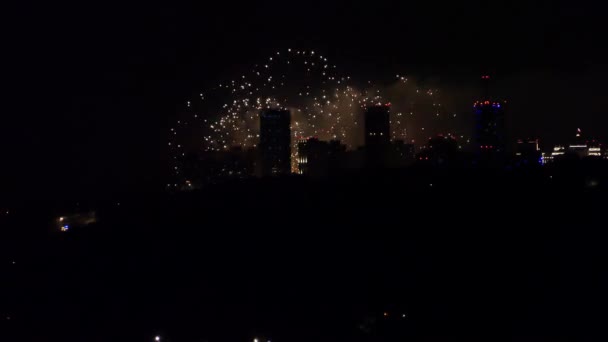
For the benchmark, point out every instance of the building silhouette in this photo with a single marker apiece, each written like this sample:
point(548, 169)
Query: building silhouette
point(275, 142)
point(489, 132)
point(441, 150)
point(317, 159)
point(377, 126)
point(208, 167)
point(578, 148)
point(527, 153)
point(377, 136)
point(401, 154)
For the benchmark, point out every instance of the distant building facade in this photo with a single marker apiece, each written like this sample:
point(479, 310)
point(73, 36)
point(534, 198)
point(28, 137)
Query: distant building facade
point(579, 148)
point(489, 132)
point(275, 142)
point(318, 159)
point(401, 154)
point(377, 126)
point(441, 150)
point(527, 153)
point(200, 169)
point(377, 136)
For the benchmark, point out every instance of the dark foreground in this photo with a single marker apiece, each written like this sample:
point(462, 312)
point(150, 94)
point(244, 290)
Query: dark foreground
point(430, 256)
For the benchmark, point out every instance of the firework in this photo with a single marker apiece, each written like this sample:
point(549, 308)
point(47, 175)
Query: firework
point(324, 103)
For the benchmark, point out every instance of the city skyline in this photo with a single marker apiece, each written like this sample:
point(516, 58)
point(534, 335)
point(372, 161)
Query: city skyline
point(117, 89)
point(297, 171)
point(330, 107)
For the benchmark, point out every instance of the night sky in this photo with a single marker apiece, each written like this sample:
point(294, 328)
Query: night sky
point(94, 87)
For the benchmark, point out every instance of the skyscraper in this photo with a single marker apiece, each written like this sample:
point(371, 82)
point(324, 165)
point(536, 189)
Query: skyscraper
point(377, 136)
point(489, 132)
point(275, 142)
point(490, 136)
point(377, 126)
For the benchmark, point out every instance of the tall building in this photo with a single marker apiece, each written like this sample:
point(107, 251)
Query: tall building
point(377, 126)
point(489, 134)
point(275, 142)
point(377, 136)
point(490, 137)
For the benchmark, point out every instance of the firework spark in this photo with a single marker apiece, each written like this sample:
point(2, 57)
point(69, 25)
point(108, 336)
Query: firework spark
point(324, 103)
